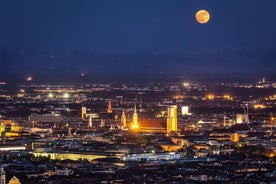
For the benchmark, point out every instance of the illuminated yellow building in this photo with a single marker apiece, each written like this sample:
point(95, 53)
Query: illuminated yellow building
point(210, 96)
point(135, 124)
point(227, 97)
point(152, 126)
point(14, 180)
point(235, 137)
point(10, 128)
point(68, 156)
point(83, 112)
point(172, 119)
point(259, 106)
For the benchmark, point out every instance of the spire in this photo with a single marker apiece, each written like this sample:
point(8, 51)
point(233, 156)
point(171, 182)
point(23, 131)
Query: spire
point(109, 107)
point(135, 119)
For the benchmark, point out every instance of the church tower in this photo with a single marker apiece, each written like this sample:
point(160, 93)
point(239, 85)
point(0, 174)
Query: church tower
point(109, 107)
point(135, 119)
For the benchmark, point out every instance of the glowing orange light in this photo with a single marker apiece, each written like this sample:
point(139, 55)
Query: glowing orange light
point(210, 97)
point(135, 126)
point(259, 106)
point(228, 97)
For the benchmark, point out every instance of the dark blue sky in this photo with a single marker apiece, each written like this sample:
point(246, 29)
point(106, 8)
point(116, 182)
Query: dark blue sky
point(154, 35)
point(137, 25)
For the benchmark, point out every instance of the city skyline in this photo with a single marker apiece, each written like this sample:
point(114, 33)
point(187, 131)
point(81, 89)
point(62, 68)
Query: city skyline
point(137, 91)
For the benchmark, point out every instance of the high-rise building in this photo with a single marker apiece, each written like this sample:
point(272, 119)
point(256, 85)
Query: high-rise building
point(135, 124)
point(172, 119)
point(2, 175)
point(83, 112)
point(109, 107)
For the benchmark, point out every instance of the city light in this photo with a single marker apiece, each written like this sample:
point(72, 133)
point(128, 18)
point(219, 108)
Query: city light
point(259, 106)
point(135, 127)
point(29, 79)
point(50, 95)
point(186, 84)
point(210, 96)
point(66, 95)
point(138, 92)
point(228, 97)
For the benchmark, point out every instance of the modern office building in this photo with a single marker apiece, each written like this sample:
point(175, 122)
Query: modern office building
point(172, 119)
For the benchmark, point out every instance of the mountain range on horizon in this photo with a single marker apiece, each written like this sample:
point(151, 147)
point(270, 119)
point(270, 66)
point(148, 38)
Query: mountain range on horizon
point(79, 61)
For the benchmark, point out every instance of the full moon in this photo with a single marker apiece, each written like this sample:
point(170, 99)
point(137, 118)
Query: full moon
point(202, 16)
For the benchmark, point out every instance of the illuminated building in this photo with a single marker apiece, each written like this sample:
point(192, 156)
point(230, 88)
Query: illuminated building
point(83, 112)
point(109, 107)
point(210, 97)
point(9, 128)
point(2, 175)
point(185, 110)
point(135, 124)
point(242, 118)
point(69, 133)
point(14, 180)
point(108, 116)
point(259, 106)
point(152, 126)
point(152, 156)
point(70, 156)
point(123, 119)
point(172, 119)
point(227, 97)
point(12, 147)
point(235, 137)
point(90, 121)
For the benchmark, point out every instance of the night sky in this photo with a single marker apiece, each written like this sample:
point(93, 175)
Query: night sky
point(152, 34)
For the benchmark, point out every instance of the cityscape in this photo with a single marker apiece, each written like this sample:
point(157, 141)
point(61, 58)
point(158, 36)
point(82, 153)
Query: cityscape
point(156, 132)
point(137, 92)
